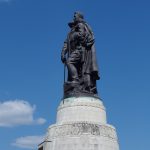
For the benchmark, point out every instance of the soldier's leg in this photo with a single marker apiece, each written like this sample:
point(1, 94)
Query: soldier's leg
point(87, 82)
point(72, 71)
point(71, 62)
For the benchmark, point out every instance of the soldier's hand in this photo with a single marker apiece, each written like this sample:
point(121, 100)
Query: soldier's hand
point(63, 59)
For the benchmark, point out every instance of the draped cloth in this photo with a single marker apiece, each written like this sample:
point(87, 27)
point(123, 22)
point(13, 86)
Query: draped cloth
point(90, 63)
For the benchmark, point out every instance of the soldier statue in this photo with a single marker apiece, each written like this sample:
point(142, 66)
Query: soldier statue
point(78, 54)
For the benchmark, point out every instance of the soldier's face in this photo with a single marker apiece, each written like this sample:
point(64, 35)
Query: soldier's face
point(76, 17)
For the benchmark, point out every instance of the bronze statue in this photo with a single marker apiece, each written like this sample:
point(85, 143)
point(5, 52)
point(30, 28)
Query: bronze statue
point(78, 54)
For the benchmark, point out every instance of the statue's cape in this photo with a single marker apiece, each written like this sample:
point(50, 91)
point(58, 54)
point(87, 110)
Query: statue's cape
point(90, 65)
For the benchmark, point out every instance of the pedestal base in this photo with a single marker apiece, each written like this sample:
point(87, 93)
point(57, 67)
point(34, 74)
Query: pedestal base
point(80, 136)
point(81, 125)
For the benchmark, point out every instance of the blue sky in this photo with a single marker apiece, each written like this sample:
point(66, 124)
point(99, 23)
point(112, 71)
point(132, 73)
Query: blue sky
point(32, 33)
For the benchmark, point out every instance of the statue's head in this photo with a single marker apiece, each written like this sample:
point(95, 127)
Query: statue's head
point(78, 16)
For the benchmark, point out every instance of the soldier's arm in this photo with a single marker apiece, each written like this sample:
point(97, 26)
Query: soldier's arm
point(64, 52)
point(90, 40)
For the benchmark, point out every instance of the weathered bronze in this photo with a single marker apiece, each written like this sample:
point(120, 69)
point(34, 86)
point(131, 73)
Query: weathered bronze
point(78, 54)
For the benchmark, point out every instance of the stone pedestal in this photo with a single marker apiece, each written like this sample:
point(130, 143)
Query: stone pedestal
point(81, 125)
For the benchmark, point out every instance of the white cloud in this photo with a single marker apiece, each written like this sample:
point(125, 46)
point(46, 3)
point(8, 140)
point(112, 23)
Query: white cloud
point(29, 142)
point(17, 112)
point(40, 121)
